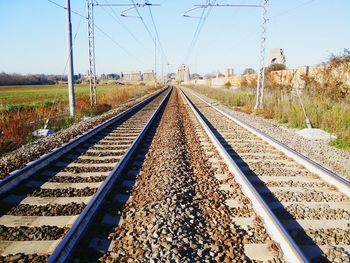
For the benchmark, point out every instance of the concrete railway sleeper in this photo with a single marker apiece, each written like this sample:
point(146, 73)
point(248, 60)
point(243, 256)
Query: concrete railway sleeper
point(310, 204)
point(169, 205)
point(38, 212)
point(189, 185)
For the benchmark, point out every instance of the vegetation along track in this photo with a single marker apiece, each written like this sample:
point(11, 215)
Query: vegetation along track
point(42, 202)
point(311, 208)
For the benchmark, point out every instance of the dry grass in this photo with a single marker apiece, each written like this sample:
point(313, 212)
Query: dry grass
point(21, 115)
point(325, 113)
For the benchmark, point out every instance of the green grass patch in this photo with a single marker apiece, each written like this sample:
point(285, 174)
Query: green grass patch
point(341, 144)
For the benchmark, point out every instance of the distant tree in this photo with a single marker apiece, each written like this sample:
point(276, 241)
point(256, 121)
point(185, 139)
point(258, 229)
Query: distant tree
point(220, 75)
point(195, 76)
point(248, 71)
point(18, 79)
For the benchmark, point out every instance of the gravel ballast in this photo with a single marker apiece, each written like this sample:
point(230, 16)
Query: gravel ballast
point(71, 209)
point(176, 213)
point(330, 157)
point(19, 158)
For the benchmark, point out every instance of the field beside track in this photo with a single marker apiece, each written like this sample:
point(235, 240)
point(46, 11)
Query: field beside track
point(24, 109)
point(31, 94)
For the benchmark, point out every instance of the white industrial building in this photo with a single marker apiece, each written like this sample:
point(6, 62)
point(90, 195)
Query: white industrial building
point(183, 74)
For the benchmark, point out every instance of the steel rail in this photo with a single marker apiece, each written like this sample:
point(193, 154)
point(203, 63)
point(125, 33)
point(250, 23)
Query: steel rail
point(291, 251)
point(66, 247)
point(326, 175)
point(16, 177)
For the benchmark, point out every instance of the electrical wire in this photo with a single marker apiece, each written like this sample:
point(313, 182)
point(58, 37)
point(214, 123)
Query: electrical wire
point(143, 22)
point(199, 29)
point(146, 27)
point(157, 35)
point(72, 11)
point(117, 44)
point(293, 8)
point(195, 33)
point(256, 29)
point(66, 64)
point(101, 30)
point(114, 15)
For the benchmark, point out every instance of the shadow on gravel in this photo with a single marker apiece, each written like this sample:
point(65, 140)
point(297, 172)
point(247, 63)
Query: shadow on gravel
point(298, 234)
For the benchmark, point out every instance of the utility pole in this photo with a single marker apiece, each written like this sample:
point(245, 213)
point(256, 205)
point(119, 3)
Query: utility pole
point(261, 75)
point(155, 63)
point(162, 72)
point(92, 65)
point(71, 94)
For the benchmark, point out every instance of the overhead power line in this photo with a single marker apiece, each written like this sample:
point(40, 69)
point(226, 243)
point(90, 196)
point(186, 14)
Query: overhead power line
point(101, 30)
point(256, 29)
point(203, 18)
point(65, 8)
point(261, 75)
point(136, 6)
point(143, 22)
point(293, 8)
point(115, 16)
point(63, 72)
point(157, 35)
point(117, 44)
point(195, 33)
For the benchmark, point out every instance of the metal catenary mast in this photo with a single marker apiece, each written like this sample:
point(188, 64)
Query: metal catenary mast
point(92, 65)
point(261, 75)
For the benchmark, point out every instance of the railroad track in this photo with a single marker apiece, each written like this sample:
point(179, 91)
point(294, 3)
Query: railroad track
point(47, 205)
point(305, 207)
point(184, 184)
point(96, 241)
point(169, 207)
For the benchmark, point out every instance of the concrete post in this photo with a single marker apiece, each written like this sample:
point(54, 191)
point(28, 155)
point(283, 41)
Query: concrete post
point(71, 94)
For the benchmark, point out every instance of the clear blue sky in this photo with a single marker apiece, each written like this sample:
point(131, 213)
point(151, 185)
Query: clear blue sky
point(33, 35)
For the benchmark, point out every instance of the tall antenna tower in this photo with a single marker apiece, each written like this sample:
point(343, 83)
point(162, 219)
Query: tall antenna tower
point(92, 65)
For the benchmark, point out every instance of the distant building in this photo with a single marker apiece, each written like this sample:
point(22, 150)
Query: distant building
point(195, 76)
point(131, 76)
point(183, 74)
point(228, 72)
point(148, 75)
point(277, 56)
